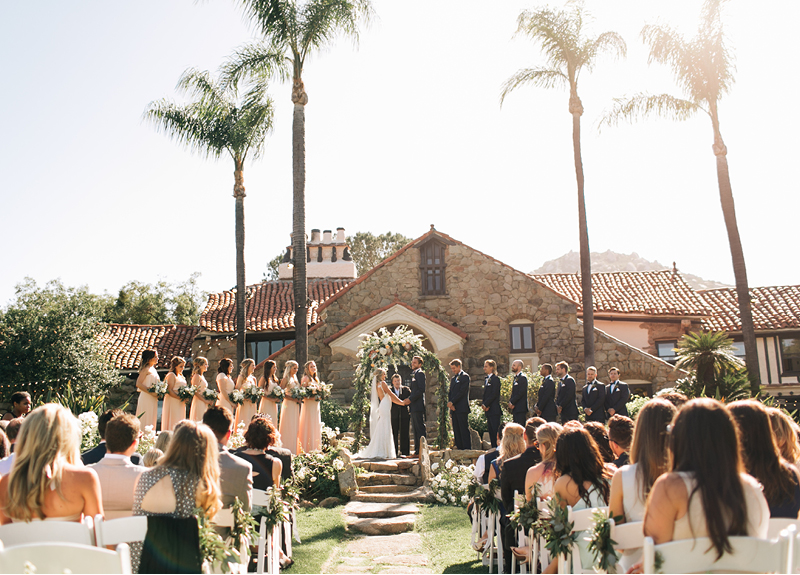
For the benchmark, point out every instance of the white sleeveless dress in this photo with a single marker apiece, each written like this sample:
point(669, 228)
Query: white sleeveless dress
point(381, 443)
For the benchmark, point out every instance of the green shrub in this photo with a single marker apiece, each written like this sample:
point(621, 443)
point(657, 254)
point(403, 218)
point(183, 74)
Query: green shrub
point(335, 415)
point(635, 404)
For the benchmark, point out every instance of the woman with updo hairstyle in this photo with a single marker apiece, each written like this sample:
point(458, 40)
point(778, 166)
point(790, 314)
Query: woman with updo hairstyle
point(269, 381)
point(48, 480)
point(786, 435)
point(543, 473)
point(225, 384)
point(174, 409)
point(147, 405)
point(199, 403)
point(512, 444)
point(260, 436)
point(290, 413)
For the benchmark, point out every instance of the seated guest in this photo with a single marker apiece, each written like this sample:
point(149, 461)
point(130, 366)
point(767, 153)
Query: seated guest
point(515, 468)
point(706, 493)
point(278, 451)
point(786, 435)
point(235, 474)
point(543, 474)
point(12, 431)
point(512, 444)
point(5, 446)
point(676, 398)
point(483, 464)
point(763, 461)
point(260, 435)
point(598, 432)
point(118, 476)
point(163, 439)
point(20, 406)
point(152, 457)
point(98, 452)
point(187, 477)
point(48, 480)
point(620, 434)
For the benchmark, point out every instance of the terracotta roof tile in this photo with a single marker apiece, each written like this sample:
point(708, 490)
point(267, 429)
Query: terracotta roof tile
point(774, 307)
point(124, 343)
point(660, 293)
point(270, 306)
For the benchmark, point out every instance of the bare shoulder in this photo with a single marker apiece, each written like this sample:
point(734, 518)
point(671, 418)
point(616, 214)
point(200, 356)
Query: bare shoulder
point(80, 475)
point(670, 486)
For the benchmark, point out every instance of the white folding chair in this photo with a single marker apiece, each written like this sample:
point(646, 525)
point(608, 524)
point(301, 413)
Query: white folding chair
point(269, 544)
point(224, 518)
point(628, 537)
point(778, 524)
point(82, 533)
point(582, 522)
point(64, 558)
point(121, 530)
point(522, 541)
point(750, 555)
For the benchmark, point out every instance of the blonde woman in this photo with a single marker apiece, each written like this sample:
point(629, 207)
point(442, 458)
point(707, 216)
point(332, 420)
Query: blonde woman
point(246, 411)
point(199, 403)
point(310, 420)
point(147, 405)
point(268, 382)
point(174, 408)
point(187, 476)
point(543, 474)
point(786, 431)
point(48, 480)
point(225, 384)
point(290, 414)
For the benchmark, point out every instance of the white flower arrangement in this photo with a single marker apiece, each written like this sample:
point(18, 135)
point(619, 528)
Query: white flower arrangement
point(159, 388)
point(252, 392)
point(89, 433)
point(451, 485)
point(237, 437)
point(147, 440)
point(236, 397)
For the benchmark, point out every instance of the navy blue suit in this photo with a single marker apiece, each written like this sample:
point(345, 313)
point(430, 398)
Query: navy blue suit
point(618, 399)
point(459, 396)
point(546, 401)
point(565, 399)
point(417, 406)
point(519, 399)
point(491, 399)
point(594, 400)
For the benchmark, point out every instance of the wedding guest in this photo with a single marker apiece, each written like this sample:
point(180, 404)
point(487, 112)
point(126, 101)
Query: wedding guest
point(260, 436)
point(187, 477)
point(491, 399)
point(598, 432)
point(620, 434)
point(545, 402)
point(706, 493)
point(618, 394)
point(20, 405)
point(152, 457)
point(763, 460)
point(12, 431)
point(401, 419)
point(543, 474)
point(99, 451)
point(786, 435)
point(565, 398)
point(236, 474)
point(593, 397)
point(277, 451)
point(5, 446)
point(518, 402)
point(246, 411)
point(290, 412)
point(675, 398)
point(483, 465)
point(310, 425)
point(199, 403)
point(225, 384)
point(268, 382)
point(458, 404)
point(173, 411)
point(48, 481)
point(163, 441)
point(147, 405)
point(117, 474)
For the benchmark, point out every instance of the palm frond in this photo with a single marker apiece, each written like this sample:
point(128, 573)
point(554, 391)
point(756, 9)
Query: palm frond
point(258, 60)
point(321, 21)
point(610, 42)
point(199, 84)
point(542, 77)
point(554, 33)
point(641, 106)
point(274, 18)
point(184, 125)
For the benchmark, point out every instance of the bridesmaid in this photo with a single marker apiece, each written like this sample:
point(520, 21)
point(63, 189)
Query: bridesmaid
point(268, 382)
point(147, 406)
point(248, 409)
point(290, 414)
point(174, 409)
point(199, 403)
point(225, 384)
point(310, 420)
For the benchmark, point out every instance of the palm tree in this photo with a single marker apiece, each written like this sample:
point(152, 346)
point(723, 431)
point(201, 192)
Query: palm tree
point(292, 30)
point(568, 51)
point(218, 121)
point(703, 69)
point(711, 356)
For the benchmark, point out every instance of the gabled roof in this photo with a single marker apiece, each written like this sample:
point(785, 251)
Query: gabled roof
point(124, 343)
point(656, 293)
point(270, 306)
point(774, 308)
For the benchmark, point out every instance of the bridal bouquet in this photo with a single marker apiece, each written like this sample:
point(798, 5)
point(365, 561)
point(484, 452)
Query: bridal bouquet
point(275, 393)
point(186, 392)
point(252, 392)
point(159, 388)
point(320, 392)
point(210, 394)
point(298, 393)
point(236, 397)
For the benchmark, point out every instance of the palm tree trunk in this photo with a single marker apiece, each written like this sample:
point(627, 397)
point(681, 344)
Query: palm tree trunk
point(299, 226)
point(241, 301)
point(576, 109)
point(737, 255)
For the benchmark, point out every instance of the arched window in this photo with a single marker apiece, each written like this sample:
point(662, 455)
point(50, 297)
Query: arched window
point(432, 268)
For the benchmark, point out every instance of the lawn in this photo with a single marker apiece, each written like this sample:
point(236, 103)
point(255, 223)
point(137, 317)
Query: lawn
point(322, 532)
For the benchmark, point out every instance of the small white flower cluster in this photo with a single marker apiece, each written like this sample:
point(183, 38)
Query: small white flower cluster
point(147, 440)
point(237, 438)
point(89, 434)
point(450, 486)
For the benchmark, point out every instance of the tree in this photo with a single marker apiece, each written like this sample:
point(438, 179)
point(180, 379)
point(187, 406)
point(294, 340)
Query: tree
point(368, 250)
point(561, 36)
point(160, 303)
point(711, 357)
point(218, 121)
point(292, 30)
point(703, 69)
point(49, 334)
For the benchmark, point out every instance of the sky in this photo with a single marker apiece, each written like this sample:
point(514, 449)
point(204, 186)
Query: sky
point(403, 130)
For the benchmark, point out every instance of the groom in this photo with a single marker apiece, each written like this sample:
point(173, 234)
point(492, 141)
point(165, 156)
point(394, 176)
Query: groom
point(416, 401)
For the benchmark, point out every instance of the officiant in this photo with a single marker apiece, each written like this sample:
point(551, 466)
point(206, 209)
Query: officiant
point(400, 417)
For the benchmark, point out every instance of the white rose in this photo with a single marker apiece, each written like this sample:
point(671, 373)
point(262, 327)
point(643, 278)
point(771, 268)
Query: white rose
point(435, 466)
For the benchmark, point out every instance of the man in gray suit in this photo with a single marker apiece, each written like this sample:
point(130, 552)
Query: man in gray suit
point(118, 476)
point(235, 474)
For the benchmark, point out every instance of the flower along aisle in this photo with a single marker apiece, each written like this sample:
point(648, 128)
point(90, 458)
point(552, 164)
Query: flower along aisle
point(384, 349)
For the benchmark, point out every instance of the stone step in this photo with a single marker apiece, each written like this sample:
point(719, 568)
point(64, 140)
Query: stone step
point(382, 525)
point(370, 478)
point(419, 495)
point(386, 488)
point(364, 510)
point(385, 465)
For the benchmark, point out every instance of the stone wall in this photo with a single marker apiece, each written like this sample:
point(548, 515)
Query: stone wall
point(633, 363)
point(666, 330)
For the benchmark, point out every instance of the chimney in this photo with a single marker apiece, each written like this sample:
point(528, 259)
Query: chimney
point(339, 235)
point(314, 237)
point(326, 237)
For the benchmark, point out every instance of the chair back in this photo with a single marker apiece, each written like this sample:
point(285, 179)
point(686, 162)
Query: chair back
point(82, 533)
point(750, 555)
point(583, 517)
point(224, 518)
point(63, 558)
point(121, 530)
point(627, 535)
point(260, 497)
point(778, 524)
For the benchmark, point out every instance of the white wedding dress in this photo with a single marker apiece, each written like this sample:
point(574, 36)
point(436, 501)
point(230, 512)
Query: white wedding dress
point(381, 443)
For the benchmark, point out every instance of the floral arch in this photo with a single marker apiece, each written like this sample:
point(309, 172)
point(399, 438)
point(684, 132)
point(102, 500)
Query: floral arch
point(383, 349)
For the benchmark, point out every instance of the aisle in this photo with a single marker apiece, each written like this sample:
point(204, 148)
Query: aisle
point(401, 553)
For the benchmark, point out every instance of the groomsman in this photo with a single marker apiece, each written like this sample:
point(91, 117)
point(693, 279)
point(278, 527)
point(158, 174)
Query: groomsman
point(458, 403)
point(491, 399)
point(593, 397)
point(400, 417)
point(416, 401)
point(617, 396)
point(518, 402)
point(565, 399)
point(545, 403)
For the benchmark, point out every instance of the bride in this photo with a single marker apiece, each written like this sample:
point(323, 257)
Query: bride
point(381, 443)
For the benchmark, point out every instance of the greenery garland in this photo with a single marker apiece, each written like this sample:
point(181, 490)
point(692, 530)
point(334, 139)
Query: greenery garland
point(601, 545)
point(213, 549)
point(485, 497)
point(558, 529)
point(275, 511)
point(526, 515)
point(383, 349)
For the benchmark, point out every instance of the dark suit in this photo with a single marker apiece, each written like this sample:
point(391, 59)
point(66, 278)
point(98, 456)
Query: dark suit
point(400, 422)
point(617, 399)
point(594, 400)
point(512, 478)
point(546, 400)
point(459, 397)
point(519, 399)
point(565, 399)
point(286, 458)
point(417, 406)
point(491, 399)
point(98, 452)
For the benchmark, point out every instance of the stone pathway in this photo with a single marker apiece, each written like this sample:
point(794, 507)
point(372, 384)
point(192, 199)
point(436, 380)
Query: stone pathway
point(401, 553)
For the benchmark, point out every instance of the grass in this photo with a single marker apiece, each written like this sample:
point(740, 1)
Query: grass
point(322, 533)
point(445, 535)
